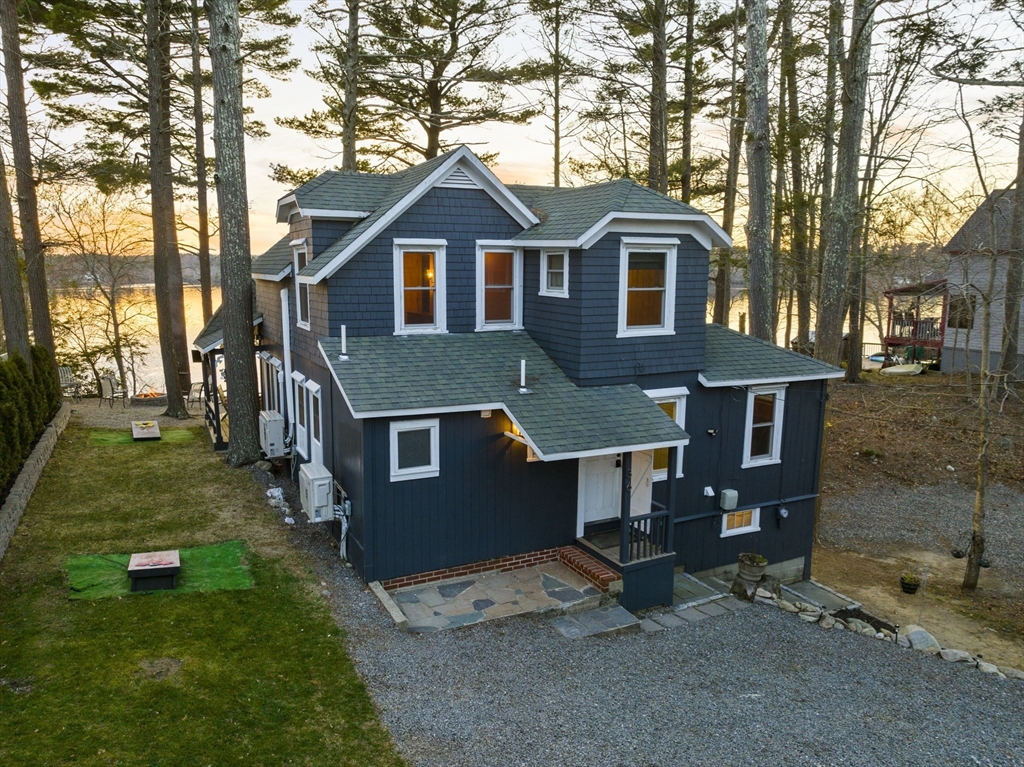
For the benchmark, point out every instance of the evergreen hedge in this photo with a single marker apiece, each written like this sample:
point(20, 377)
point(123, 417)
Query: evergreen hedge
point(28, 401)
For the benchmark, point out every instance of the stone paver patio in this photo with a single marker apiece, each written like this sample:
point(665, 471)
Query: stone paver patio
point(465, 601)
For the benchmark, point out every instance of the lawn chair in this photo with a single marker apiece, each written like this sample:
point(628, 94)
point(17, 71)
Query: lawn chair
point(111, 391)
point(69, 384)
point(195, 394)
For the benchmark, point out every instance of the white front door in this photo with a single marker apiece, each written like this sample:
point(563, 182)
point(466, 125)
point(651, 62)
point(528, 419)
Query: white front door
point(640, 500)
point(600, 489)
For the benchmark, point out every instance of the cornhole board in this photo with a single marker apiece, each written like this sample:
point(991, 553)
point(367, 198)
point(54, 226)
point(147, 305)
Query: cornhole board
point(143, 431)
point(154, 570)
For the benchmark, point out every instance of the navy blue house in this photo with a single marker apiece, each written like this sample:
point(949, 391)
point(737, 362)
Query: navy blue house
point(525, 368)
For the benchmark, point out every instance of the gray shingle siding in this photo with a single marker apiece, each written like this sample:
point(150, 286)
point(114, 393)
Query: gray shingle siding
point(460, 216)
point(607, 359)
point(554, 323)
point(268, 299)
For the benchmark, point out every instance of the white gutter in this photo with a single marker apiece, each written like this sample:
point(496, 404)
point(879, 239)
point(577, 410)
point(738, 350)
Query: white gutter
point(286, 331)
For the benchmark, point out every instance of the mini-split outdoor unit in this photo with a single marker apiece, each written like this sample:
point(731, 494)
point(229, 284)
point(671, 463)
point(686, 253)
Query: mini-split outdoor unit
point(272, 434)
point(316, 490)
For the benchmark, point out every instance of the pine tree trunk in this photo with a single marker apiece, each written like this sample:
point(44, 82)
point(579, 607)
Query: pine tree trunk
point(556, 117)
point(779, 206)
point(236, 256)
point(657, 164)
point(349, 117)
point(205, 279)
point(799, 243)
point(687, 126)
point(162, 206)
point(845, 201)
point(737, 118)
point(835, 55)
point(12, 294)
point(25, 184)
point(759, 239)
point(1008, 363)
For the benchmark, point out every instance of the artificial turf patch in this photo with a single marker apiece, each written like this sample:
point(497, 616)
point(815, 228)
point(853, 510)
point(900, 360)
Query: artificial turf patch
point(106, 437)
point(220, 567)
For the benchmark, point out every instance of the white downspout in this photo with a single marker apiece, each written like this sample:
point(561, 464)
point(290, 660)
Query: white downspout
point(286, 325)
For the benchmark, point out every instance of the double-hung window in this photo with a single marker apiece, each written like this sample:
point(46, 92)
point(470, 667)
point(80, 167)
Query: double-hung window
point(414, 449)
point(420, 286)
point(673, 403)
point(499, 275)
point(300, 259)
point(554, 273)
point(647, 286)
point(762, 436)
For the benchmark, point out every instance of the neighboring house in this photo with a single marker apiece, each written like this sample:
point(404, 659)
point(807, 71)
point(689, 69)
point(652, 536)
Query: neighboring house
point(986, 233)
point(633, 414)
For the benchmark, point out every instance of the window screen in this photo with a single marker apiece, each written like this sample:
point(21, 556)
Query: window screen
point(413, 448)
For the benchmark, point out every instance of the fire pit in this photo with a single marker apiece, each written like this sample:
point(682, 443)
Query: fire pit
point(150, 398)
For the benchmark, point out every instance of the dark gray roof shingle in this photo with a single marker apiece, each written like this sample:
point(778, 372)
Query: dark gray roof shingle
point(212, 335)
point(274, 261)
point(395, 373)
point(731, 358)
point(568, 212)
point(335, 190)
point(975, 236)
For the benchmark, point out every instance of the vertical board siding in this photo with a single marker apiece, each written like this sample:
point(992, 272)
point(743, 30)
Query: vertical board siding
point(362, 293)
point(487, 502)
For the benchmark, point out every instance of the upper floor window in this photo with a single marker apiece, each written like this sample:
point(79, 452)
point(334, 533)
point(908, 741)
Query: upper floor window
point(762, 437)
point(647, 286)
point(961, 312)
point(554, 273)
point(498, 294)
point(420, 286)
point(300, 259)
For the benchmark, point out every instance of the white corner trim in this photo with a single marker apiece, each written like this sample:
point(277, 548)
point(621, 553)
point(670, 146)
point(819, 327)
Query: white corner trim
point(473, 167)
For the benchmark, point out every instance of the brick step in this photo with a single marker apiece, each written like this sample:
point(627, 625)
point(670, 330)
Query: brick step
point(581, 563)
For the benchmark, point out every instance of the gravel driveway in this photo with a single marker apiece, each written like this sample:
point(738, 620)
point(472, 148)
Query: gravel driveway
point(934, 517)
point(756, 687)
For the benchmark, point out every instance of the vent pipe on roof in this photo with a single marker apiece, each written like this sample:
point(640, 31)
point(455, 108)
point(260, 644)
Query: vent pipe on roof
point(344, 345)
point(522, 377)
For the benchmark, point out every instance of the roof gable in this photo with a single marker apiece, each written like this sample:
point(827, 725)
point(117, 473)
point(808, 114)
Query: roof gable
point(976, 235)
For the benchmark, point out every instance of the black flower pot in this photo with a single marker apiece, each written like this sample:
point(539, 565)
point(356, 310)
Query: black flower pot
point(909, 587)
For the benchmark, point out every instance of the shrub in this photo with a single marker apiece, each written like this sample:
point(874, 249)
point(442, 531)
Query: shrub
point(28, 401)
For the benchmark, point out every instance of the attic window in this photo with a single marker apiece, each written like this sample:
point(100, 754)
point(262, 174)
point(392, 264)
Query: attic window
point(647, 289)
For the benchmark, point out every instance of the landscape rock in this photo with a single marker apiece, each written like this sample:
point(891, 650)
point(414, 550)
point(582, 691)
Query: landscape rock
point(771, 584)
point(765, 601)
point(811, 616)
point(988, 668)
point(956, 656)
point(922, 641)
point(741, 589)
point(827, 621)
point(789, 607)
point(1012, 673)
point(289, 521)
point(763, 593)
point(879, 635)
point(264, 465)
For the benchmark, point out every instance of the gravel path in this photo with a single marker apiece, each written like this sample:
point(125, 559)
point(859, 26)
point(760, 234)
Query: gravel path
point(756, 687)
point(935, 517)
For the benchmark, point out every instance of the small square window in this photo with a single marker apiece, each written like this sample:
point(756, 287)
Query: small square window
point(740, 522)
point(414, 449)
point(554, 273)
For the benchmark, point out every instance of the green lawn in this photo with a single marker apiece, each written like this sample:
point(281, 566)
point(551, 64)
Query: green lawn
point(256, 676)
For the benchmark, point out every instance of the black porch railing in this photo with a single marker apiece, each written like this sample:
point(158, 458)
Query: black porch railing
point(648, 535)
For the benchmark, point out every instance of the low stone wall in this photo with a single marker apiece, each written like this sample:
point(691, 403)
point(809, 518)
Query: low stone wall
point(21, 492)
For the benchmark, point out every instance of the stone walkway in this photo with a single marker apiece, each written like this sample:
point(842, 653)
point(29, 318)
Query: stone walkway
point(465, 601)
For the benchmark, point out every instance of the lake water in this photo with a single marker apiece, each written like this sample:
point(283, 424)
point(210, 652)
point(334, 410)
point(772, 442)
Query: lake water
point(150, 368)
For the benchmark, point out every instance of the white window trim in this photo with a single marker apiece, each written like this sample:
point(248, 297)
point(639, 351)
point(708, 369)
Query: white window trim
point(544, 289)
point(748, 423)
point(301, 431)
point(668, 246)
point(483, 246)
point(438, 247)
point(313, 389)
point(418, 472)
point(299, 246)
point(678, 395)
point(754, 527)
